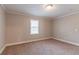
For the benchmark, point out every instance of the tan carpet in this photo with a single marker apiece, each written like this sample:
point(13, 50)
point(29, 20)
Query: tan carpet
point(43, 47)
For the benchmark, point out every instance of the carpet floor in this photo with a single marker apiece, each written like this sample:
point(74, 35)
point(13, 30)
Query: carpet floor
point(43, 47)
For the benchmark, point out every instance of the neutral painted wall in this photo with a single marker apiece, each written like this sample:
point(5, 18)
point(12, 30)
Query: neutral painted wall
point(2, 28)
point(67, 28)
point(18, 28)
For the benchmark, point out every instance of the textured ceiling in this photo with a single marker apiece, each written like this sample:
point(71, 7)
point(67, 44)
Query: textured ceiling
point(38, 10)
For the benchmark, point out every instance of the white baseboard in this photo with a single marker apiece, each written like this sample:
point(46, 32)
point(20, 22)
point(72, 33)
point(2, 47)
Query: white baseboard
point(27, 41)
point(16, 43)
point(66, 41)
point(2, 49)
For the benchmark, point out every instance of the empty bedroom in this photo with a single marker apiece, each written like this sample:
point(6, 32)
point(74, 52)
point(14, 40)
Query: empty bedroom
point(39, 29)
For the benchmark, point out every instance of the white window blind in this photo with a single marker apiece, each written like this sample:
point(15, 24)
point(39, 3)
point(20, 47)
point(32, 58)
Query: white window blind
point(34, 27)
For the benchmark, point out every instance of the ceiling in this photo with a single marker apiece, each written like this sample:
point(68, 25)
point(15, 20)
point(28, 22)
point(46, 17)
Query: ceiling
point(38, 10)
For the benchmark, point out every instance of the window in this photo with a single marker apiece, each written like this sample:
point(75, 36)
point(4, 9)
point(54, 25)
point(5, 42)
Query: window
point(34, 27)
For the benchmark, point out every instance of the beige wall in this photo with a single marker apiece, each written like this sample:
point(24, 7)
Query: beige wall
point(67, 28)
point(18, 28)
point(2, 28)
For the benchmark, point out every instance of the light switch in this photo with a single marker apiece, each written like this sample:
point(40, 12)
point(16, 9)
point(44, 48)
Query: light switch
point(75, 29)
